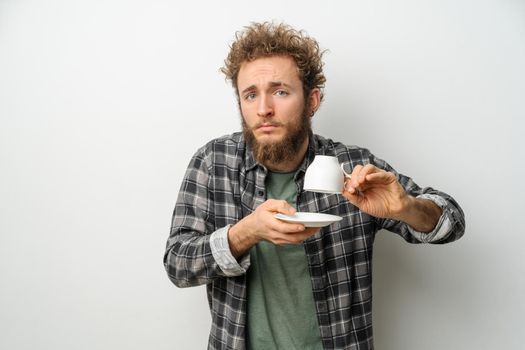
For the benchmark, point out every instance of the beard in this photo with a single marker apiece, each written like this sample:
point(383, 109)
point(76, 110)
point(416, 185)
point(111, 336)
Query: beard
point(284, 150)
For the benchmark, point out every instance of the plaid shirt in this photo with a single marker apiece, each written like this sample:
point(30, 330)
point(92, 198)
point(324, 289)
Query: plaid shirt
point(223, 184)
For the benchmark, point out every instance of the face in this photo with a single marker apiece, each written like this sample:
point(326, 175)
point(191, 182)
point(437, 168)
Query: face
point(275, 118)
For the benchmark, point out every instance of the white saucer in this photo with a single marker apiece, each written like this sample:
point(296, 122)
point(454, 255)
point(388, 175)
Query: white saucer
point(310, 219)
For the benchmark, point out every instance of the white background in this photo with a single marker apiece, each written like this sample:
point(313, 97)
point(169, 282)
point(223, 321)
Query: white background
point(103, 102)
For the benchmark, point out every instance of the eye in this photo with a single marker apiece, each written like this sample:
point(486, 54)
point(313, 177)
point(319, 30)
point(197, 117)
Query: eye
point(250, 96)
point(281, 93)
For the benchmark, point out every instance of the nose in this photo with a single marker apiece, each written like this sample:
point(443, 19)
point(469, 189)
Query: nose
point(265, 106)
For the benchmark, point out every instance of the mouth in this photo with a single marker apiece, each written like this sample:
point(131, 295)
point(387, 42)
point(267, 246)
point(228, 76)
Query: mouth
point(267, 127)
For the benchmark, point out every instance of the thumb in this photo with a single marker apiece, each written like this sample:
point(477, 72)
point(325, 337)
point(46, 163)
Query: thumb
point(352, 194)
point(282, 206)
point(287, 209)
point(354, 198)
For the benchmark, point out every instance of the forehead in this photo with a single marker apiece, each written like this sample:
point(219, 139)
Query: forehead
point(264, 70)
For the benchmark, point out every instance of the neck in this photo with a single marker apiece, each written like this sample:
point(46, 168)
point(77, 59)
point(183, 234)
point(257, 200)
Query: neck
point(292, 164)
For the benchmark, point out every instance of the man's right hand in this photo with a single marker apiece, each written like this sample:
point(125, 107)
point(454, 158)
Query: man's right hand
point(261, 225)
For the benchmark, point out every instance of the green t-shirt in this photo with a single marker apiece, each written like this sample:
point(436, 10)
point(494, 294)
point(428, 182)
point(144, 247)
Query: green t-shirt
point(281, 309)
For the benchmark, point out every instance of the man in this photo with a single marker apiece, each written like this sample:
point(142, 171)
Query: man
point(273, 284)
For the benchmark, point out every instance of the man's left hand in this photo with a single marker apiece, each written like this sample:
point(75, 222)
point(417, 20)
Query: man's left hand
point(376, 192)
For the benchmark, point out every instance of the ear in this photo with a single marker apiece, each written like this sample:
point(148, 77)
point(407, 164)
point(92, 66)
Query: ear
point(314, 100)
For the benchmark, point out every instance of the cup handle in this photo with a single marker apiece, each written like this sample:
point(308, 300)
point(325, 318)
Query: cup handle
point(347, 175)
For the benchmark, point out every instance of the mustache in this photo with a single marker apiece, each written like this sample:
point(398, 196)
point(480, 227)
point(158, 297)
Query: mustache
point(269, 123)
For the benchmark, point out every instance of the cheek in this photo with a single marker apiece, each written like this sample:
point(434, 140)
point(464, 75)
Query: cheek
point(294, 109)
point(247, 116)
point(244, 109)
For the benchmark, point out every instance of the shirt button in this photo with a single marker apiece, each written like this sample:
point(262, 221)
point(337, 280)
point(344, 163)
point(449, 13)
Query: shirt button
point(260, 193)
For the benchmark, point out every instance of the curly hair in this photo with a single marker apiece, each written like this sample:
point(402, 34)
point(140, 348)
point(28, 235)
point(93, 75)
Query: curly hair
point(269, 39)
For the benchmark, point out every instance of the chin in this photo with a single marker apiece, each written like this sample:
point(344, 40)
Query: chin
point(269, 138)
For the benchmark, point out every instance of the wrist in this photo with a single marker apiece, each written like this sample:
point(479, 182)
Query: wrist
point(421, 214)
point(406, 208)
point(240, 240)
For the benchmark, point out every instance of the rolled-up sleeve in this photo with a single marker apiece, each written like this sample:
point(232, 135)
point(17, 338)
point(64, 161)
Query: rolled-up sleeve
point(196, 252)
point(443, 227)
point(223, 256)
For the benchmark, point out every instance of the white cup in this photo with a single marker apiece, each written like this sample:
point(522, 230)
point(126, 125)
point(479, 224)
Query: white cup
point(325, 175)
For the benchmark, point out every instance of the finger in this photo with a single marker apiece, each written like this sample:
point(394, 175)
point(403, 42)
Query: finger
point(286, 227)
point(280, 206)
point(353, 195)
point(361, 182)
point(349, 187)
point(383, 177)
point(367, 170)
point(280, 238)
point(310, 231)
point(355, 174)
point(294, 237)
point(304, 235)
point(352, 188)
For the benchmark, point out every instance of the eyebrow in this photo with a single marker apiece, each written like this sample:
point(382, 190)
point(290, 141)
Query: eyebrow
point(272, 84)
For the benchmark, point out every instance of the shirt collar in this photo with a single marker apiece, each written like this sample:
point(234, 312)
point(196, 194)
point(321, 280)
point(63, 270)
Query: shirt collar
point(309, 156)
point(249, 160)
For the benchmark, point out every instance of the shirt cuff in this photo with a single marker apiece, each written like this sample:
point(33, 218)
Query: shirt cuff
point(220, 250)
point(443, 227)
